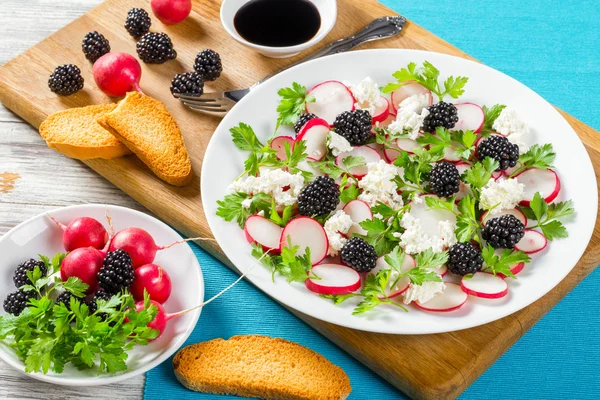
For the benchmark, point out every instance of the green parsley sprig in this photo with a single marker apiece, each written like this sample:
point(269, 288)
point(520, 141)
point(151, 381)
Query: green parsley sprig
point(502, 264)
point(461, 143)
point(294, 267)
point(232, 207)
point(538, 156)
point(489, 117)
point(548, 215)
point(292, 104)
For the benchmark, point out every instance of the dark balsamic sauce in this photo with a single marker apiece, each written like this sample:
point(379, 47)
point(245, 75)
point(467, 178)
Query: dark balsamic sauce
point(277, 23)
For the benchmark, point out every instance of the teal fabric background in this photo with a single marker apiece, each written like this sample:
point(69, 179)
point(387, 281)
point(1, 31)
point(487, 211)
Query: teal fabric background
point(554, 48)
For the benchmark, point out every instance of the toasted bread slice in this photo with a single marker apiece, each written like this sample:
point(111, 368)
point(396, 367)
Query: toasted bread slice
point(76, 133)
point(260, 366)
point(147, 128)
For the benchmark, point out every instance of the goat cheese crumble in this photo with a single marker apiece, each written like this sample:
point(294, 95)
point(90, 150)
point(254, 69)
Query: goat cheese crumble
point(246, 203)
point(500, 195)
point(510, 124)
point(367, 95)
point(338, 144)
point(411, 113)
point(281, 185)
point(414, 240)
point(423, 293)
point(337, 225)
point(379, 186)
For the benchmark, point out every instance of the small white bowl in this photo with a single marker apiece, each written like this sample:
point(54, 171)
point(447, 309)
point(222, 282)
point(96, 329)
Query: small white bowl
point(327, 10)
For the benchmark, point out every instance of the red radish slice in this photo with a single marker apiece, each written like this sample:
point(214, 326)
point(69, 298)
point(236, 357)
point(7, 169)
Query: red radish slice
point(532, 242)
point(405, 144)
point(304, 165)
point(442, 270)
point(452, 298)
point(430, 218)
point(407, 90)
point(509, 171)
point(369, 154)
point(403, 283)
point(314, 133)
point(538, 180)
point(497, 175)
point(515, 211)
point(515, 269)
point(331, 99)
point(463, 188)
point(335, 279)
point(484, 285)
point(262, 231)
point(388, 97)
point(306, 232)
point(470, 117)
point(382, 110)
point(385, 123)
point(358, 211)
point(278, 144)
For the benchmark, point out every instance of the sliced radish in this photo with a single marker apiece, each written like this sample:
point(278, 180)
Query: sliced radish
point(304, 165)
point(331, 99)
point(358, 211)
point(538, 180)
point(306, 232)
point(463, 188)
point(385, 123)
point(470, 117)
point(442, 270)
point(497, 175)
point(368, 153)
point(515, 269)
point(403, 283)
point(388, 97)
point(335, 279)
point(532, 242)
point(430, 218)
point(484, 285)
point(278, 144)
point(314, 133)
point(262, 231)
point(405, 144)
point(407, 90)
point(450, 154)
point(515, 211)
point(382, 110)
point(452, 298)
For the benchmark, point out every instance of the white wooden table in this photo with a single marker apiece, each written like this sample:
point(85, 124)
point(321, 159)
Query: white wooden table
point(28, 177)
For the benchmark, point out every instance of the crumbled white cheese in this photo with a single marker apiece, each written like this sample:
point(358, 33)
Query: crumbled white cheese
point(261, 213)
point(281, 185)
point(338, 144)
point(423, 293)
point(379, 186)
point(503, 194)
point(414, 240)
point(510, 124)
point(246, 203)
point(337, 225)
point(367, 95)
point(411, 113)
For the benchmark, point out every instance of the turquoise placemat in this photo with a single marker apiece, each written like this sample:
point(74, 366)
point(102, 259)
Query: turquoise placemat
point(554, 48)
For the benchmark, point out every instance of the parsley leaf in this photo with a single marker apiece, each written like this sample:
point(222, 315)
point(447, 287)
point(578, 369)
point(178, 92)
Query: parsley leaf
point(244, 138)
point(467, 222)
point(231, 207)
point(538, 156)
point(429, 259)
point(380, 234)
point(374, 292)
point(285, 216)
point(502, 264)
point(348, 192)
point(547, 216)
point(292, 104)
point(489, 117)
point(437, 203)
point(479, 174)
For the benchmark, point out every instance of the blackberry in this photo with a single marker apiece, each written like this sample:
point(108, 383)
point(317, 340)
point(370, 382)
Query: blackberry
point(190, 84)
point(16, 302)
point(503, 232)
point(138, 22)
point(20, 278)
point(444, 179)
point(302, 120)
point(319, 197)
point(65, 298)
point(208, 64)
point(354, 125)
point(359, 255)
point(464, 258)
point(155, 48)
point(500, 149)
point(116, 272)
point(66, 80)
point(94, 46)
point(440, 114)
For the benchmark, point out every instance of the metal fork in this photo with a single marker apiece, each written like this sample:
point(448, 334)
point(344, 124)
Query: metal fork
point(220, 103)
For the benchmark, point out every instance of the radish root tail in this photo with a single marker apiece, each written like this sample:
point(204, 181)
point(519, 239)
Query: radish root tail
point(205, 239)
point(61, 226)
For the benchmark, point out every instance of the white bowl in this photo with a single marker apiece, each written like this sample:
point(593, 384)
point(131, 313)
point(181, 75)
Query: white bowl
point(40, 235)
point(327, 10)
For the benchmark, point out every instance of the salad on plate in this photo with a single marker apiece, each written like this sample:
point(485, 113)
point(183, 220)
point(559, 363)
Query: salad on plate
point(397, 194)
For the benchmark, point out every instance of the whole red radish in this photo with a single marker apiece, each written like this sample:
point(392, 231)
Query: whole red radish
point(138, 243)
point(117, 73)
point(83, 263)
point(83, 232)
point(155, 280)
point(160, 320)
point(171, 12)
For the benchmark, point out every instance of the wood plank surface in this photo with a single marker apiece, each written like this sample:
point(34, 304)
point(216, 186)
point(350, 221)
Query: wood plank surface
point(423, 366)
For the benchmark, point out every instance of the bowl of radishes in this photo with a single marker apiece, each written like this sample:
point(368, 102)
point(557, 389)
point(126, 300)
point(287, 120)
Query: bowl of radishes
point(402, 192)
point(99, 267)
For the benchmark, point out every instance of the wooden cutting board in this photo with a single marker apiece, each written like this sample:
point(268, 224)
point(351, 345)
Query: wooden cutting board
point(422, 366)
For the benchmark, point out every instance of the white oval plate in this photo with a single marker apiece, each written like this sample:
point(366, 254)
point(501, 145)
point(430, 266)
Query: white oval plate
point(39, 235)
point(223, 162)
